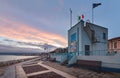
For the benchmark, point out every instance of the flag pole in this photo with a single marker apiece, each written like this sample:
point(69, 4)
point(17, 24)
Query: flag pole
point(70, 18)
point(93, 6)
point(92, 15)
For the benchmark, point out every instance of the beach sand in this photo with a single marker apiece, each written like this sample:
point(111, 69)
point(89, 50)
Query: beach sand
point(81, 73)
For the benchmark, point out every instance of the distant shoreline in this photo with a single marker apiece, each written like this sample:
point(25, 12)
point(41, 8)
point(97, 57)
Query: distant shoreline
point(4, 58)
point(10, 62)
point(20, 53)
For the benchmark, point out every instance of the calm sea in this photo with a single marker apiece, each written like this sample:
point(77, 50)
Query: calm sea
point(13, 57)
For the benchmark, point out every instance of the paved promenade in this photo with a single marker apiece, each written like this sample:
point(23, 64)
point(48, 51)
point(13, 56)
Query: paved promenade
point(38, 68)
point(34, 69)
point(10, 72)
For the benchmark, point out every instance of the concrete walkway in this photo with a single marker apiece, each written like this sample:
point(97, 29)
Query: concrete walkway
point(21, 74)
point(10, 72)
point(16, 71)
point(57, 71)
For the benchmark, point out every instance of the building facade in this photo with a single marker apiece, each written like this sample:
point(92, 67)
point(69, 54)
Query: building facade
point(114, 45)
point(88, 46)
point(88, 39)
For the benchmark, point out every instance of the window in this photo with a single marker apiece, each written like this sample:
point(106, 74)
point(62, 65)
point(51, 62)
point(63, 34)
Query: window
point(115, 44)
point(104, 36)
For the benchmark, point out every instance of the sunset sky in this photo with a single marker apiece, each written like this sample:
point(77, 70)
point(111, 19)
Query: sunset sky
point(35, 24)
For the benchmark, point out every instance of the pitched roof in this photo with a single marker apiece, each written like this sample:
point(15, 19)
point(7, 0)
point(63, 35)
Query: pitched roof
point(114, 38)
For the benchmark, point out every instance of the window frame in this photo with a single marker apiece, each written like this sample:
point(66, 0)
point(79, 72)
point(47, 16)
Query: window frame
point(104, 36)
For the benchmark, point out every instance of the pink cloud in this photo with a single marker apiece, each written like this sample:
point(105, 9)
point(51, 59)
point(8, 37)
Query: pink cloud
point(23, 32)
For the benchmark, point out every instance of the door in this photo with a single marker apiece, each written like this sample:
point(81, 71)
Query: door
point(87, 49)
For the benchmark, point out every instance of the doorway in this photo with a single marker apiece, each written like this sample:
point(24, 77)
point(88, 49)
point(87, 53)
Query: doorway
point(87, 50)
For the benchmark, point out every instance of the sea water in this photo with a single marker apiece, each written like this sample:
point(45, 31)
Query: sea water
point(13, 57)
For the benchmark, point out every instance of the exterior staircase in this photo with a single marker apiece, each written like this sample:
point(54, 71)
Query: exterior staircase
point(91, 33)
